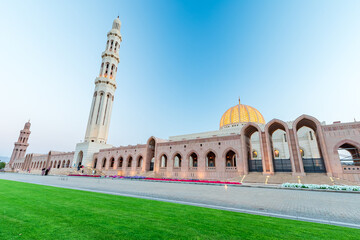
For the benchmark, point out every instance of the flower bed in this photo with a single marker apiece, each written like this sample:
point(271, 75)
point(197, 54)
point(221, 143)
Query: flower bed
point(325, 187)
point(174, 180)
point(79, 175)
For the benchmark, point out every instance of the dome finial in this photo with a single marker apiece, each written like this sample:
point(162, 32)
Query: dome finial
point(239, 100)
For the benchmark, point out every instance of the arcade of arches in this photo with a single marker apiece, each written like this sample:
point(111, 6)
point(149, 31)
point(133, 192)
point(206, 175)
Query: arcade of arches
point(297, 148)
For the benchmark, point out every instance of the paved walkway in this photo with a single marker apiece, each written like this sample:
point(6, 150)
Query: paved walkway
point(325, 207)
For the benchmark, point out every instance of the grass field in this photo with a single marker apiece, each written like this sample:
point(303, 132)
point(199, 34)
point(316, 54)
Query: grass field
point(30, 211)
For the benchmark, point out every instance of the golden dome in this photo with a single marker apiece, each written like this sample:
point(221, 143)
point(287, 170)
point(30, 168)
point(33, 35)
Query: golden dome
point(241, 114)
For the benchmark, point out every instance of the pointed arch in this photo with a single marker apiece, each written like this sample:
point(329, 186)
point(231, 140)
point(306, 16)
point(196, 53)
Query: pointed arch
point(163, 160)
point(139, 161)
point(230, 158)
point(120, 162)
point(112, 162)
point(103, 164)
point(228, 149)
point(314, 124)
point(249, 164)
point(193, 157)
point(353, 152)
point(79, 158)
point(279, 165)
point(176, 159)
point(150, 154)
point(129, 161)
point(211, 157)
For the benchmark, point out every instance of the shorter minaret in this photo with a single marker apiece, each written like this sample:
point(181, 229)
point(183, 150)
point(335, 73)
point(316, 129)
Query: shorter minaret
point(21, 144)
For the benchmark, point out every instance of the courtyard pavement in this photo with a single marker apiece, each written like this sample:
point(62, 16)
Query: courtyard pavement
point(324, 207)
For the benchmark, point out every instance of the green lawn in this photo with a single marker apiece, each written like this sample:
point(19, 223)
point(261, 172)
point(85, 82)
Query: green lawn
point(30, 211)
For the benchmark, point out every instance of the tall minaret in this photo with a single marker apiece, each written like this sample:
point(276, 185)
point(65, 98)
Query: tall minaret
point(100, 112)
point(105, 85)
point(21, 144)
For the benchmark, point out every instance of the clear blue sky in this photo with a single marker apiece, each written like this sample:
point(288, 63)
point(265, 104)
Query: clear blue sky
point(183, 64)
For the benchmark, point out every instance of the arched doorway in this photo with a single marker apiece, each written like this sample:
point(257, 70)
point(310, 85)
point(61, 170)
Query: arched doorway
point(152, 163)
point(280, 151)
point(193, 160)
point(80, 158)
point(349, 155)
point(230, 159)
point(279, 146)
point(308, 140)
point(95, 163)
point(253, 148)
point(150, 154)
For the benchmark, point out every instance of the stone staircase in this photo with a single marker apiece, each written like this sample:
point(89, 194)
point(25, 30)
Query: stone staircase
point(88, 171)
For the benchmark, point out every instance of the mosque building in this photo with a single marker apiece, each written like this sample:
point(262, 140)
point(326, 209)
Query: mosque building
point(245, 143)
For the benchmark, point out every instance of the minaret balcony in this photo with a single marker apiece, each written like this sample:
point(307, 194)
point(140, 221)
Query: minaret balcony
point(106, 80)
point(108, 53)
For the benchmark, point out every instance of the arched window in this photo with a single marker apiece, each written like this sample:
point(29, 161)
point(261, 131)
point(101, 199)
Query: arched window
point(112, 70)
point(59, 164)
point(120, 164)
point(230, 159)
point(210, 159)
point(63, 164)
point(115, 46)
point(193, 160)
point(349, 155)
point(51, 164)
point(139, 162)
point(254, 154)
point(54, 164)
point(177, 161)
point(104, 163)
point(107, 44)
point(107, 69)
point(112, 161)
point(95, 163)
point(276, 153)
point(129, 162)
point(68, 163)
point(163, 161)
point(111, 45)
point(79, 158)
